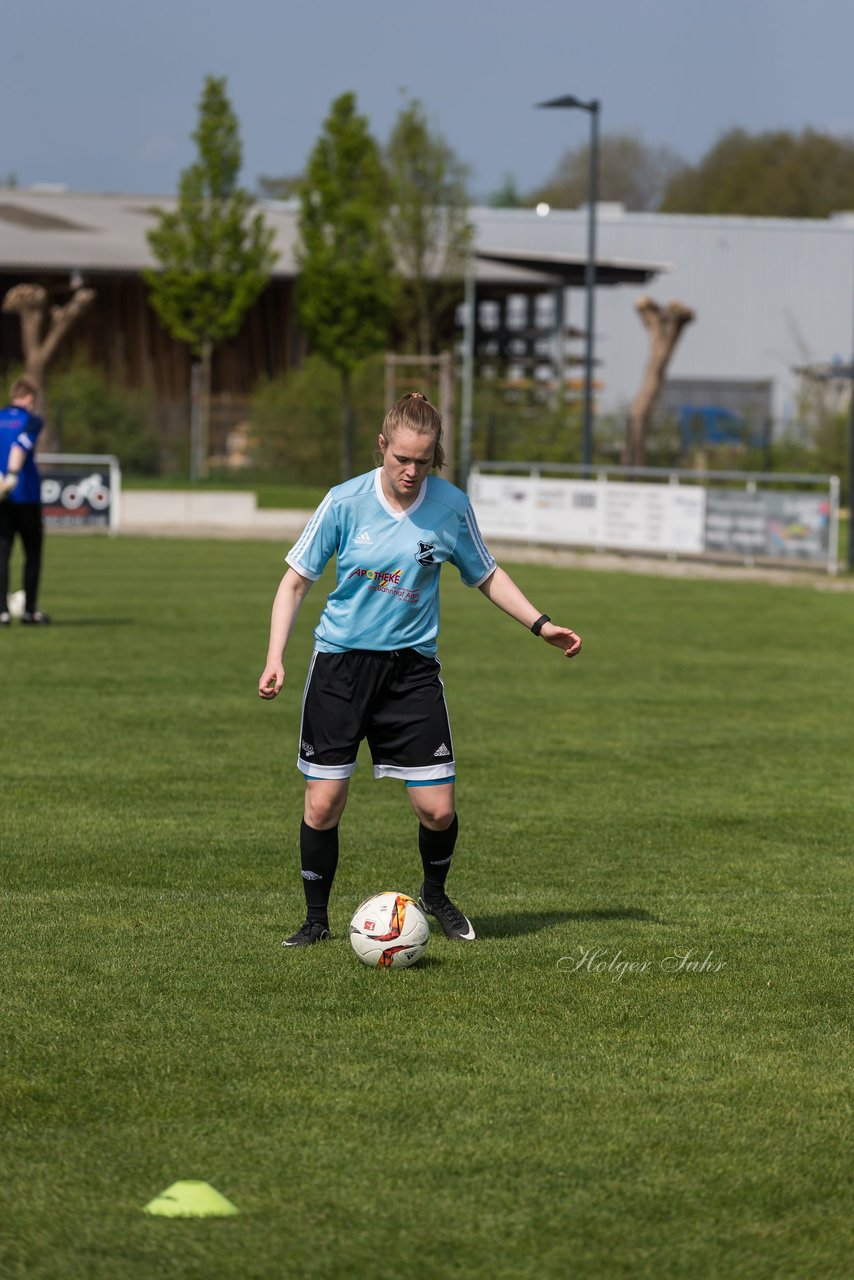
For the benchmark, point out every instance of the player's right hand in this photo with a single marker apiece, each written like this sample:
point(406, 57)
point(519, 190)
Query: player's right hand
point(272, 679)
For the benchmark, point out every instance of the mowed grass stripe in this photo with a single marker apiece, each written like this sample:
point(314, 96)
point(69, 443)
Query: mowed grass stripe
point(501, 1110)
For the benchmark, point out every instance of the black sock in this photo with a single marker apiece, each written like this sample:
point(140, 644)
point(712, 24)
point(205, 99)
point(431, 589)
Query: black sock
point(318, 859)
point(436, 849)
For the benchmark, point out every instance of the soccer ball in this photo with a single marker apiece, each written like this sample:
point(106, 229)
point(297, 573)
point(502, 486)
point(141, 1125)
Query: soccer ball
point(17, 601)
point(389, 931)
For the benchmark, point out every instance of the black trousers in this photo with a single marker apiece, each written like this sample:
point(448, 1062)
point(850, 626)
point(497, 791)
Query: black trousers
point(25, 519)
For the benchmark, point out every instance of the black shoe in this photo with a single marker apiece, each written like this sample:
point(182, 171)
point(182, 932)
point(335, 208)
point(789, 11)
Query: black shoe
point(453, 922)
point(312, 931)
point(5, 619)
point(35, 619)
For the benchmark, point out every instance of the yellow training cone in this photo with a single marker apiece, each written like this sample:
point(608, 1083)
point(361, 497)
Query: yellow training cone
point(190, 1200)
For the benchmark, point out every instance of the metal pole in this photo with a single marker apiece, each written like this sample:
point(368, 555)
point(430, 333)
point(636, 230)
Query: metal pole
point(559, 349)
point(446, 408)
point(850, 557)
point(195, 421)
point(590, 282)
point(468, 372)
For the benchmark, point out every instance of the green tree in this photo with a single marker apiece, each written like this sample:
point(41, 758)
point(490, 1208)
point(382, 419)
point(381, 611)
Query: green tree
point(214, 256)
point(429, 225)
point(631, 172)
point(344, 291)
point(780, 174)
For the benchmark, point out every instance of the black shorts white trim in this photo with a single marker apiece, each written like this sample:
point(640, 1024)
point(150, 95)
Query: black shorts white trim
point(394, 700)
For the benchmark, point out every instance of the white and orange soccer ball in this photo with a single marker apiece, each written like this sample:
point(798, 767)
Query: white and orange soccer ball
point(389, 931)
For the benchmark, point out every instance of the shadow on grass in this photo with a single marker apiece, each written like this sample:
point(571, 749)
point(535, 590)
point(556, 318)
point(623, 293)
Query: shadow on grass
point(93, 622)
point(516, 923)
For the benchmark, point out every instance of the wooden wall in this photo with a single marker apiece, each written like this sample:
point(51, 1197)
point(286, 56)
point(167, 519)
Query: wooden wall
point(122, 335)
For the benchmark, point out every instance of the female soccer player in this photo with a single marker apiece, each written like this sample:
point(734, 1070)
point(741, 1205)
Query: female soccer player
point(374, 672)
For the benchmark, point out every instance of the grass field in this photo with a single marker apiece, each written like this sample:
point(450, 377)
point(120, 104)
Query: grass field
point(506, 1109)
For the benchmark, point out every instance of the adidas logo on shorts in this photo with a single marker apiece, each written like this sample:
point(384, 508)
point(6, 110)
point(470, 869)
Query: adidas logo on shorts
point(307, 749)
point(443, 751)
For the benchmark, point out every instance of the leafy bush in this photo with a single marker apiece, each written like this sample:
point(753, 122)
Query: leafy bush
point(296, 421)
point(91, 416)
point(831, 445)
point(512, 425)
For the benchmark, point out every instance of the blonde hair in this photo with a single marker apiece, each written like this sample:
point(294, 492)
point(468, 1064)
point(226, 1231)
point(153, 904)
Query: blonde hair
point(415, 412)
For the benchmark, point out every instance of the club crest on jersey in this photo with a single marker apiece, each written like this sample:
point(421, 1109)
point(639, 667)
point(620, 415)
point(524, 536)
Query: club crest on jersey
point(424, 554)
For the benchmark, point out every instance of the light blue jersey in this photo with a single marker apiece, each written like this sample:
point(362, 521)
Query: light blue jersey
point(387, 591)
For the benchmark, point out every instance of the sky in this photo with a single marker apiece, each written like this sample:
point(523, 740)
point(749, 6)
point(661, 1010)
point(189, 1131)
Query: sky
point(101, 95)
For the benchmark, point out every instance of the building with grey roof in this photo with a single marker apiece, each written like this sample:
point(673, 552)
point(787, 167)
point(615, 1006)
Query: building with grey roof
point(769, 294)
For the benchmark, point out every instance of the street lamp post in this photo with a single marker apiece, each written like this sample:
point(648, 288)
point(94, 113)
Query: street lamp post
point(850, 555)
point(469, 339)
point(592, 107)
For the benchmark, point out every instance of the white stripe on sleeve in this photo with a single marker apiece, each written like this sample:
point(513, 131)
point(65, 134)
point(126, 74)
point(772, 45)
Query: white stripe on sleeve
point(477, 539)
point(304, 541)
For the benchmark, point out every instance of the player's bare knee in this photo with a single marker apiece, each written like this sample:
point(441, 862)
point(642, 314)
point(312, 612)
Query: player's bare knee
point(322, 816)
point(435, 813)
point(323, 808)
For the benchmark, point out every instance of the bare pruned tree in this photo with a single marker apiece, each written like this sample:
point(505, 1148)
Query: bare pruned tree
point(30, 303)
point(664, 325)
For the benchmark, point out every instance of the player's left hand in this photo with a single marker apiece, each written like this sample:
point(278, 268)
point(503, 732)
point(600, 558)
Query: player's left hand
point(561, 638)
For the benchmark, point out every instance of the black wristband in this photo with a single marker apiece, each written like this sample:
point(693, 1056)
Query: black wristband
point(538, 625)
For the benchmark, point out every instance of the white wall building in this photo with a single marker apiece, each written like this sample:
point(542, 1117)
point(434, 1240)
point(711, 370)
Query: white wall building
point(769, 293)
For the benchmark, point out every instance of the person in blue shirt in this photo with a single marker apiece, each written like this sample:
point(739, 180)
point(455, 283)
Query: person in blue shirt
point(20, 498)
point(374, 672)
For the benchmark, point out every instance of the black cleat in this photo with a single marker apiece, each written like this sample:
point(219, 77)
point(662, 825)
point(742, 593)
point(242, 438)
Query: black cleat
point(35, 619)
point(306, 936)
point(454, 924)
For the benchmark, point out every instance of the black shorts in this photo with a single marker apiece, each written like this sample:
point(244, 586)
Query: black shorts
point(395, 700)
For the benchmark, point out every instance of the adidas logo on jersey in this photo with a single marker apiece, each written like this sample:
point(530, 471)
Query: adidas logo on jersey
point(443, 751)
point(363, 539)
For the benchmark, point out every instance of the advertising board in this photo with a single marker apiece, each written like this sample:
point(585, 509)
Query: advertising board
point(590, 513)
point(80, 491)
point(665, 517)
